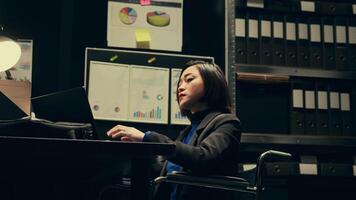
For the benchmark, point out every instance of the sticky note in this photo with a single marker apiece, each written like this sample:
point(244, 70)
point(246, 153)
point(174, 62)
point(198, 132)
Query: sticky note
point(143, 38)
point(151, 60)
point(112, 59)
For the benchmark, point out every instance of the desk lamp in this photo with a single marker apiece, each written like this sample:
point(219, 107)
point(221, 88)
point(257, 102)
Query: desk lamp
point(10, 51)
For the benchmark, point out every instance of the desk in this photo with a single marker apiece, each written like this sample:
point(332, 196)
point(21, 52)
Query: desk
point(20, 156)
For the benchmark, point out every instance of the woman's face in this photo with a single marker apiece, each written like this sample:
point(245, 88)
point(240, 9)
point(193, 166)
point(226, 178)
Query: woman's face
point(191, 90)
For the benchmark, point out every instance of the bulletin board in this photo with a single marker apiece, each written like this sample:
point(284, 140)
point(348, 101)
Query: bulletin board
point(135, 86)
point(155, 25)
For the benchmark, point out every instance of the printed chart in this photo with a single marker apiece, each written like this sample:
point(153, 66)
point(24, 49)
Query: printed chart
point(176, 115)
point(148, 101)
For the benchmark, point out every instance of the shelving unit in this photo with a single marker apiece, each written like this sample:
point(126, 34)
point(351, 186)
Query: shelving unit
point(259, 77)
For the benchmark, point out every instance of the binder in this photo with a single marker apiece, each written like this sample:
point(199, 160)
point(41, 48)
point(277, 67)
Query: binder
point(291, 40)
point(278, 40)
point(334, 110)
point(345, 107)
point(253, 51)
point(322, 116)
point(303, 42)
point(283, 5)
point(310, 108)
point(341, 41)
point(240, 3)
point(333, 8)
point(352, 44)
point(240, 37)
point(297, 125)
point(329, 43)
point(266, 39)
point(315, 42)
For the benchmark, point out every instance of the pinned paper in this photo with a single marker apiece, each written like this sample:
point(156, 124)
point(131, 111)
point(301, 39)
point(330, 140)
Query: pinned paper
point(145, 2)
point(143, 38)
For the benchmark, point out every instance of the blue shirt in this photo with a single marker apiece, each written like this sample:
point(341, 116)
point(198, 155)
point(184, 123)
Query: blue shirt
point(170, 167)
point(173, 167)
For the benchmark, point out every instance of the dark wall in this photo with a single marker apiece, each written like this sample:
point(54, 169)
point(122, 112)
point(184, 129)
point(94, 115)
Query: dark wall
point(62, 29)
point(34, 20)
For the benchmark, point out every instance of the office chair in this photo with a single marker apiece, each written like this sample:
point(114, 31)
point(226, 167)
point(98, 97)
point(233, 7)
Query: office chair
point(230, 183)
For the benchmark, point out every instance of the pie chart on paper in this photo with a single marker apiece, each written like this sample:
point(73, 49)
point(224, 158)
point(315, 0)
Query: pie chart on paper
point(158, 18)
point(128, 15)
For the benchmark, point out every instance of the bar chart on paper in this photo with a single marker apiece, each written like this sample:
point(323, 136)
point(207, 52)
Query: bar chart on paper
point(176, 115)
point(148, 99)
point(152, 114)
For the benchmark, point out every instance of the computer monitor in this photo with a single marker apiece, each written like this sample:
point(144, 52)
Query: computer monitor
point(9, 110)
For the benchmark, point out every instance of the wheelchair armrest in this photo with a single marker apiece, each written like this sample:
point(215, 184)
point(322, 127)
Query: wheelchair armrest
point(210, 181)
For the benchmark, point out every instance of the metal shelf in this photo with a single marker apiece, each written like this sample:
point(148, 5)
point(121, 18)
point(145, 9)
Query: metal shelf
point(255, 142)
point(298, 72)
point(262, 78)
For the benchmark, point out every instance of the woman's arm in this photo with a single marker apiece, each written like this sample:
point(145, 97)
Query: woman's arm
point(219, 146)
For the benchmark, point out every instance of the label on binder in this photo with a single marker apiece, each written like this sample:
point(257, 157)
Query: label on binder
point(240, 30)
point(352, 35)
point(253, 28)
point(255, 3)
point(307, 6)
point(303, 31)
point(266, 28)
point(247, 167)
point(341, 34)
point(308, 169)
point(354, 9)
point(345, 102)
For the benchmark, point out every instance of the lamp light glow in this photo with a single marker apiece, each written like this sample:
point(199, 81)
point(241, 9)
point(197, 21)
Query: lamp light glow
point(10, 52)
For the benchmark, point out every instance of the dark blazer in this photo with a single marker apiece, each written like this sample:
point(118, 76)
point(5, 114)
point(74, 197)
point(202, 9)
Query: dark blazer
point(213, 150)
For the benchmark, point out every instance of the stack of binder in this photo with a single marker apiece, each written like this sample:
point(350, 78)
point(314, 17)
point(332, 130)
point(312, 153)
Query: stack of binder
point(306, 34)
point(321, 107)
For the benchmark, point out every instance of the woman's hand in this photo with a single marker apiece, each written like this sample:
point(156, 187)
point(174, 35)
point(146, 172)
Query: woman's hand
point(126, 133)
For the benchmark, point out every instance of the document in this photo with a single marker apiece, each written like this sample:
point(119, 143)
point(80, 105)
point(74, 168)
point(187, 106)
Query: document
point(162, 21)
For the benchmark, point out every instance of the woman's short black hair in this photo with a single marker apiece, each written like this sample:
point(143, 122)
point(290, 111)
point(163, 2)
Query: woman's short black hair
point(217, 95)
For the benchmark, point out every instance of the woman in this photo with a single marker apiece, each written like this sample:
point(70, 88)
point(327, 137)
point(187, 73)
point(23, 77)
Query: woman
point(210, 144)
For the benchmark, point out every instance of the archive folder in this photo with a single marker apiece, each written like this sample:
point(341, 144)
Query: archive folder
point(303, 42)
point(278, 40)
point(333, 8)
point(310, 109)
point(352, 44)
point(240, 38)
point(329, 43)
point(315, 42)
point(322, 116)
point(265, 39)
point(346, 115)
point(341, 41)
point(334, 110)
point(291, 40)
point(253, 51)
point(297, 108)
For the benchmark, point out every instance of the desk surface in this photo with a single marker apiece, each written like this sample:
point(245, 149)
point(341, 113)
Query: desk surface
point(75, 146)
point(71, 157)
point(37, 162)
